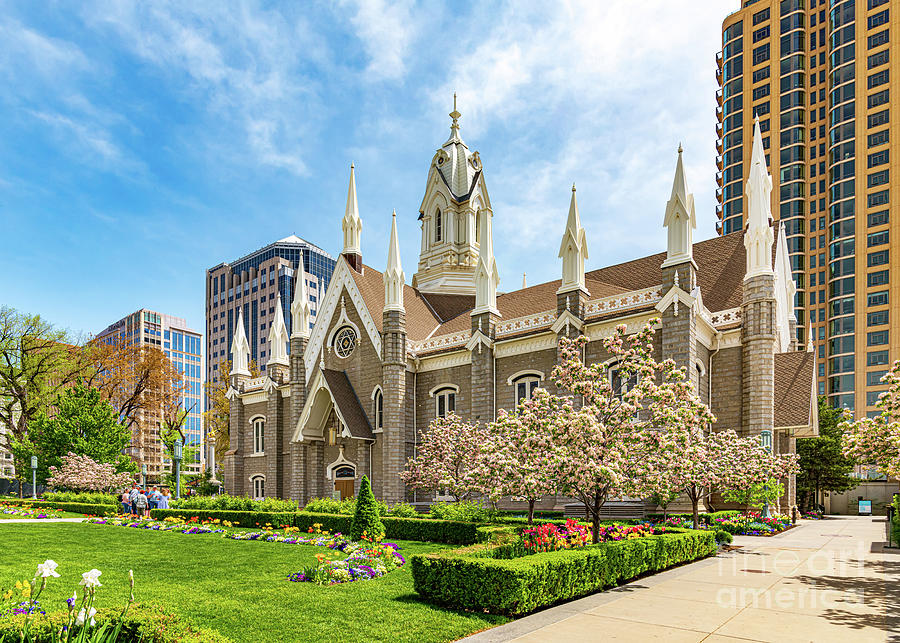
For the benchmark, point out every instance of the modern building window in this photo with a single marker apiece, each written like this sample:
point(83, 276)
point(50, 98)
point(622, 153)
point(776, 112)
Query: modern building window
point(259, 435)
point(873, 378)
point(880, 58)
point(761, 54)
point(877, 318)
point(879, 118)
point(877, 358)
point(872, 397)
point(878, 198)
point(879, 258)
point(877, 338)
point(878, 39)
point(879, 278)
point(761, 74)
point(761, 92)
point(880, 78)
point(878, 99)
point(761, 16)
point(878, 19)
point(879, 138)
point(878, 218)
point(879, 158)
point(444, 401)
point(761, 34)
point(878, 178)
point(878, 298)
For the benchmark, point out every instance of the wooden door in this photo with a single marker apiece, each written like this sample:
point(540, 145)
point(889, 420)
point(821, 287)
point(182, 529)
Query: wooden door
point(345, 486)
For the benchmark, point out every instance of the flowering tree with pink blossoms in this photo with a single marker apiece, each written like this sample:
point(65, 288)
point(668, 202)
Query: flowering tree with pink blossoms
point(82, 473)
point(626, 431)
point(876, 440)
point(519, 456)
point(710, 461)
point(446, 458)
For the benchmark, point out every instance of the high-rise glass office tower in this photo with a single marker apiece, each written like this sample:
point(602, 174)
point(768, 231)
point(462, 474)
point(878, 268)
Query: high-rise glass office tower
point(817, 74)
point(183, 347)
point(253, 284)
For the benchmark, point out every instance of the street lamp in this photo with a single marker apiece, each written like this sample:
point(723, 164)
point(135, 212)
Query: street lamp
point(177, 457)
point(765, 440)
point(34, 477)
point(143, 475)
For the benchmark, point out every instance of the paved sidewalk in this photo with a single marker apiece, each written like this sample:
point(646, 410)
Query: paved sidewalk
point(826, 580)
point(40, 520)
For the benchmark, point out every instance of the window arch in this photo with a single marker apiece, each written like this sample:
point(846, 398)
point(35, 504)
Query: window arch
point(259, 433)
point(524, 383)
point(258, 484)
point(438, 225)
point(621, 383)
point(378, 408)
point(444, 399)
point(344, 471)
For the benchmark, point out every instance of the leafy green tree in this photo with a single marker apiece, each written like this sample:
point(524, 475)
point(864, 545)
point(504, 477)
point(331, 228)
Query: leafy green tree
point(823, 465)
point(82, 423)
point(366, 522)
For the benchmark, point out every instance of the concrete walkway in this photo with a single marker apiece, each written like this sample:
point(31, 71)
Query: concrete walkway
point(826, 580)
point(39, 520)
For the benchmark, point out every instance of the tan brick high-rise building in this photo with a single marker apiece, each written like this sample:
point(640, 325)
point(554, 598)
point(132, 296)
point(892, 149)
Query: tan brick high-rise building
point(819, 75)
point(385, 358)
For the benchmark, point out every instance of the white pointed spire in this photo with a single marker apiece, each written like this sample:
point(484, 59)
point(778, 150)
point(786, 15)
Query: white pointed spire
point(300, 309)
point(785, 289)
point(393, 275)
point(351, 223)
point(758, 238)
point(278, 337)
point(680, 219)
point(486, 276)
point(240, 348)
point(573, 250)
point(524, 281)
point(454, 125)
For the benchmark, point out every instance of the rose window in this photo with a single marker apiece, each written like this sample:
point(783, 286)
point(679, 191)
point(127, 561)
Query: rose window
point(345, 341)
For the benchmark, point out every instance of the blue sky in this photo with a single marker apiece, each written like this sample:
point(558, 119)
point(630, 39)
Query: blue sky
point(141, 144)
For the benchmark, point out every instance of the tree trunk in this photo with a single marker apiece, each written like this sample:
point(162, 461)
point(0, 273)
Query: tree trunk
point(665, 512)
point(595, 529)
point(531, 511)
point(694, 495)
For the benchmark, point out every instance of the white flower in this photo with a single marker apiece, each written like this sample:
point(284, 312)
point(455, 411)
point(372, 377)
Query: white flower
point(91, 579)
point(79, 620)
point(47, 569)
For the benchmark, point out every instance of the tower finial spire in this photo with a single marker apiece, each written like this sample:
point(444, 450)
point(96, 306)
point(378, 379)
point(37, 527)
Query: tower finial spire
point(278, 337)
point(680, 219)
point(454, 126)
point(300, 309)
point(573, 250)
point(393, 275)
point(759, 236)
point(352, 225)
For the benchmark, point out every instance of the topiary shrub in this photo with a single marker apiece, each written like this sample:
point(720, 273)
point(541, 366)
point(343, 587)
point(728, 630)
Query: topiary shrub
point(366, 521)
point(723, 537)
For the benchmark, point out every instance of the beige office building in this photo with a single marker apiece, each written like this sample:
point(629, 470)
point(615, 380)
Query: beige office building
point(818, 75)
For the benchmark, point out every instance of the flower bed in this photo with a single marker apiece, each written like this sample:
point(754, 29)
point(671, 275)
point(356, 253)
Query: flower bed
point(812, 515)
point(364, 560)
point(27, 511)
point(499, 580)
point(749, 523)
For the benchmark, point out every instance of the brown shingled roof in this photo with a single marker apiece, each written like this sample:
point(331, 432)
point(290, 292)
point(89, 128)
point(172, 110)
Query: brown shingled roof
point(421, 320)
point(346, 400)
point(794, 399)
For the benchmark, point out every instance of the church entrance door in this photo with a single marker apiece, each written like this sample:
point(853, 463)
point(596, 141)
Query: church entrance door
point(345, 487)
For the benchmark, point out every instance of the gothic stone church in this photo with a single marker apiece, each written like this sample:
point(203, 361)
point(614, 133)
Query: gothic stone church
point(348, 396)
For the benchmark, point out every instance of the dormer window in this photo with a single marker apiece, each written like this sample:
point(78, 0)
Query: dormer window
point(438, 226)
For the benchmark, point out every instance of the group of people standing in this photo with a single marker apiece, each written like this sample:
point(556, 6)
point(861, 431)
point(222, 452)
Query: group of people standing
point(139, 502)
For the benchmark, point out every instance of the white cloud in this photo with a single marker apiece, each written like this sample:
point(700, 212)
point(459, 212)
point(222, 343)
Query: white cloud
point(386, 31)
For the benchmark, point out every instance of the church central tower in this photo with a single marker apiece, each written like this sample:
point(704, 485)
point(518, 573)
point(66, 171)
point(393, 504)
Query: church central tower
point(451, 214)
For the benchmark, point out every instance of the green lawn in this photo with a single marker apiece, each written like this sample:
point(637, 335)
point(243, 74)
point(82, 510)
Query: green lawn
point(235, 587)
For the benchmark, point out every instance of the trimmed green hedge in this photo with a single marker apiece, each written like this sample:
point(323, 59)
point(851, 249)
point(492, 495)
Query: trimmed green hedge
point(895, 523)
point(421, 529)
point(475, 580)
point(705, 518)
point(237, 518)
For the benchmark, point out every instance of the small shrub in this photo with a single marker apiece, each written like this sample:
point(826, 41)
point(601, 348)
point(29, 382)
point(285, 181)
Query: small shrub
point(225, 502)
point(237, 518)
point(463, 511)
point(344, 507)
point(366, 521)
point(84, 498)
point(403, 510)
point(723, 537)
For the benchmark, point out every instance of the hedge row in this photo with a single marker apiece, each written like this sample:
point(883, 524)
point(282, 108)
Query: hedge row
point(237, 518)
point(705, 518)
point(895, 522)
point(73, 507)
point(422, 529)
point(475, 580)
